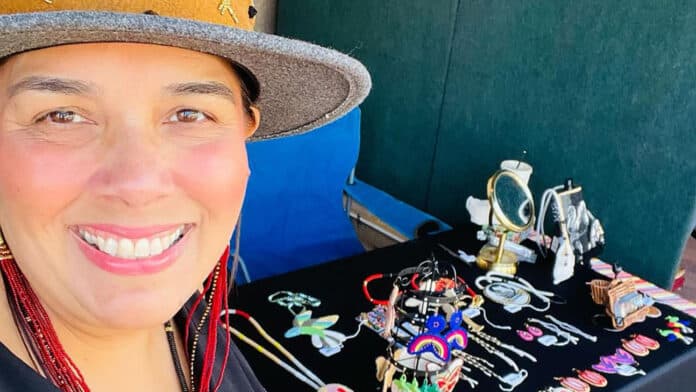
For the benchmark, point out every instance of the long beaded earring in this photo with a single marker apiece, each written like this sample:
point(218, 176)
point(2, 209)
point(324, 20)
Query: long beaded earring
point(36, 328)
point(216, 294)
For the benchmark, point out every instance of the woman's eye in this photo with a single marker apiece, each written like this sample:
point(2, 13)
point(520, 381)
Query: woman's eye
point(62, 117)
point(188, 116)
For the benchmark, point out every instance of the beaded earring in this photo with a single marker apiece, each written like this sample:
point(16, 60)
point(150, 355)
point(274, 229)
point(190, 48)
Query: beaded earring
point(215, 290)
point(649, 343)
point(592, 378)
point(635, 348)
point(530, 333)
point(36, 327)
point(574, 384)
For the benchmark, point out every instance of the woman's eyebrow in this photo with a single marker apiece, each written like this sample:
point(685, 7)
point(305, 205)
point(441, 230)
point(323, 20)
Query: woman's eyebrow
point(51, 84)
point(203, 88)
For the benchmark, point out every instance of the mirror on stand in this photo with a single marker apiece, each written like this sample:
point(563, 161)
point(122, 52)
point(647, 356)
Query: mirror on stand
point(512, 210)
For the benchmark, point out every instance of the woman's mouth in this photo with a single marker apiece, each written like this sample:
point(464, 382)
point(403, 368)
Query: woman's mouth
point(131, 251)
point(135, 248)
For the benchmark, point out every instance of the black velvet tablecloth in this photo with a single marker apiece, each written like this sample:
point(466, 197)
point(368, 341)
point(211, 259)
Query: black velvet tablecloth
point(339, 286)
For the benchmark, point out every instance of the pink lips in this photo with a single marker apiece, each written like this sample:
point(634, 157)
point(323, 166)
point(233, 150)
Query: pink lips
point(132, 267)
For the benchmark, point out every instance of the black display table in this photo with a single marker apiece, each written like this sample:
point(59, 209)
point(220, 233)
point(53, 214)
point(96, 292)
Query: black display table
point(339, 286)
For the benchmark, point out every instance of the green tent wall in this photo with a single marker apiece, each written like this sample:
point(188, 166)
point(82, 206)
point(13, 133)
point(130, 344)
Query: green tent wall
point(603, 92)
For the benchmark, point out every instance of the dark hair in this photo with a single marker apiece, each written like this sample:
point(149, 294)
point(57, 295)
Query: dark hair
point(249, 87)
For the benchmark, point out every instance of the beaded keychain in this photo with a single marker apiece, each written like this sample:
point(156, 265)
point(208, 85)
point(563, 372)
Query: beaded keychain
point(301, 372)
point(492, 339)
point(507, 383)
point(571, 328)
point(551, 340)
point(327, 341)
point(514, 293)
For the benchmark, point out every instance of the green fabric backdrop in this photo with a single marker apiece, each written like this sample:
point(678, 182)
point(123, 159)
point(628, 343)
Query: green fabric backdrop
point(604, 92)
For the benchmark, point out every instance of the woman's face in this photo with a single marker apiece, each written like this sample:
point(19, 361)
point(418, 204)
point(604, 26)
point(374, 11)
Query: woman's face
point(122, 173)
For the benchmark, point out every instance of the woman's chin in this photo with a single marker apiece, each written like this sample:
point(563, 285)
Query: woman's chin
point(137, 310)
point(125, 301)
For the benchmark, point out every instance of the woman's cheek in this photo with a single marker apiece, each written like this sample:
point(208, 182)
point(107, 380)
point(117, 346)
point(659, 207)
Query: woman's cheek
point(214, 174)
point(42, 177)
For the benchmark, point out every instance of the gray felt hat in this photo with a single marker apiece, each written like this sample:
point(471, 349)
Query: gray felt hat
point(301, 86)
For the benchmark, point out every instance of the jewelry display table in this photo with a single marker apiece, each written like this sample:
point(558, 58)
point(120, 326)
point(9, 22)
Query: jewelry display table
point(338, 285)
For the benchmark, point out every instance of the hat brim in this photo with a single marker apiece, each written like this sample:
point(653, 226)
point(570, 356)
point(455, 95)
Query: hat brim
point(302, 86)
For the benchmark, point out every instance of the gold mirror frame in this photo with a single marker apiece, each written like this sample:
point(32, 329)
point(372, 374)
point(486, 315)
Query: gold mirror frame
point(497, 210)
point(493, 258)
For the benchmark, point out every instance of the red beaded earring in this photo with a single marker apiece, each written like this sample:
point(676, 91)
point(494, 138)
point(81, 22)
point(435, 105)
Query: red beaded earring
point(215, 290)
point(36, 328)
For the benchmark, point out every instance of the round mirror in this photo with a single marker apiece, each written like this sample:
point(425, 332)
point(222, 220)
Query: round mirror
point(511, 201)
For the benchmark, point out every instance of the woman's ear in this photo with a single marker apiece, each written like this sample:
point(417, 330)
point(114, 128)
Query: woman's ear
point(254, 121)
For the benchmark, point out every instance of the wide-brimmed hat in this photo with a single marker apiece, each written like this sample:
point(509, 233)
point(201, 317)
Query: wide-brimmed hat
point(301, 86)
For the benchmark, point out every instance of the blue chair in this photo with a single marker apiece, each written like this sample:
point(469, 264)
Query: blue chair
point(294, 216)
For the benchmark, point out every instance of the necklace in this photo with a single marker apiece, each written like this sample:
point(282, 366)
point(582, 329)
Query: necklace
point(39, 336)
point(169, 329)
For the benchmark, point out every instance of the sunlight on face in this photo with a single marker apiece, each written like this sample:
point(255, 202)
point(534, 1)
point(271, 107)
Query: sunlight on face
point(122, 173)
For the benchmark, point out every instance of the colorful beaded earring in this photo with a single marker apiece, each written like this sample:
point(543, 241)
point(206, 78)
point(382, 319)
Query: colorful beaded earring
point(634, 347)
point(592, 378)
point(530, 333)
point(33, 322)
point(673, 335)
point(649, 343)
point(683, 326)
point(574, 384)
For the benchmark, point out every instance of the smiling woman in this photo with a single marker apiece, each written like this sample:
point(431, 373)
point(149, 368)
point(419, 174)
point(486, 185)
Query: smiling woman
point(123, 169)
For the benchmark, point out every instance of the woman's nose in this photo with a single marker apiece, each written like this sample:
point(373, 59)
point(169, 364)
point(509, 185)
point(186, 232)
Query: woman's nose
point(134, 170)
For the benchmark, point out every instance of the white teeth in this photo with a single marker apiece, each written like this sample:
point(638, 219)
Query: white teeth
point(155, 247)
point(110, 247)
point(125, 249)
point(142, 248)
point(132, 249)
